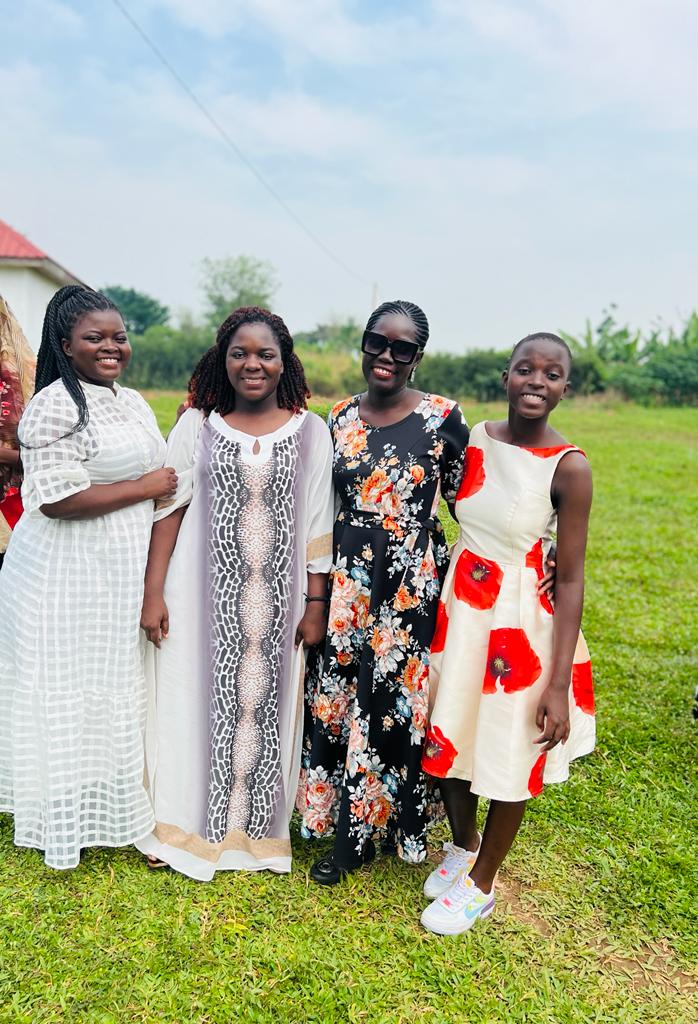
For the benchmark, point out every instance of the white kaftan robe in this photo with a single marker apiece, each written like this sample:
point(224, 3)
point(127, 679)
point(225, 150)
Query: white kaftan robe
point(224, 732)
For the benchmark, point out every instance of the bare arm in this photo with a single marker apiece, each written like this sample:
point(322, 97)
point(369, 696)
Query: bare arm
point(9, 457)
point(572, 492)
point(99, 499)
point(155, 619)
point(313, 626)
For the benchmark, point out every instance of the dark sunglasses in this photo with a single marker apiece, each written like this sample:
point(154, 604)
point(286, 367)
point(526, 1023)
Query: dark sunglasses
point(401, 350)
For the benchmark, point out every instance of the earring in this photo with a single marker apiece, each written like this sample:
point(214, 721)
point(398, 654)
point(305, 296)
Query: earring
point(411, 376)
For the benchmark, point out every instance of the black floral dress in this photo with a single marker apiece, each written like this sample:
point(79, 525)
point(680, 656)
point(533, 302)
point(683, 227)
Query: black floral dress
point(368, 704)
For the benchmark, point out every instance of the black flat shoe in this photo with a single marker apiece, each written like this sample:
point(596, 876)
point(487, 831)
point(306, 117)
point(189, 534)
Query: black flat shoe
point(325, 872)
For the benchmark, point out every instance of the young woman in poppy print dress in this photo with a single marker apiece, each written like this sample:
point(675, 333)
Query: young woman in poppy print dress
point(396, 451)
point(510, 680)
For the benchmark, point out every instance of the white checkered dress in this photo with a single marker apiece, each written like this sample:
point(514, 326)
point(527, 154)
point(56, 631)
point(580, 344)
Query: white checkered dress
point(72, 692)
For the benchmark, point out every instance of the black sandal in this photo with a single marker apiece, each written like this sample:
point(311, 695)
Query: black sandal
point(326, 872)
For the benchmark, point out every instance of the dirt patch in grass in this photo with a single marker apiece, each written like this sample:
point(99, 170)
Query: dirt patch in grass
point(652, 966)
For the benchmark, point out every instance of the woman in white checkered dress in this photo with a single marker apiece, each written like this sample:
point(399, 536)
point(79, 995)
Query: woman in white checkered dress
point(71, 682)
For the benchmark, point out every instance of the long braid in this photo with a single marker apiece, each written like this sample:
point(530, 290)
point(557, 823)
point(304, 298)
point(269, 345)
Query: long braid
point(210, 387)
point(405, 308)
point(64, 310)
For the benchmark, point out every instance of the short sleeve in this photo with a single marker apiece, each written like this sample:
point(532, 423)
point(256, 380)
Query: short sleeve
point(54, 458)
point(454, 433)
point(181, 448)
point(321, 512)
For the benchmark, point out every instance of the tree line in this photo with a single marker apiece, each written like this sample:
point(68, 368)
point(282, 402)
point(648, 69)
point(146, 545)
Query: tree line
point(657, 367)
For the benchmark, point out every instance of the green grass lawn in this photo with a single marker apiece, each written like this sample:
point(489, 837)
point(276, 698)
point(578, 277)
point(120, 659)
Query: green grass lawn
point(596, 915)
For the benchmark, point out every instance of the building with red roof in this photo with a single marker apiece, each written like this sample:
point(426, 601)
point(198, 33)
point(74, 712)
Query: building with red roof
point(29, 277)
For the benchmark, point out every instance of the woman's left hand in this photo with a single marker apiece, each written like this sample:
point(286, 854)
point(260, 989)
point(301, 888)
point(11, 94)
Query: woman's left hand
point(553, 717)
point(312, 628)
point(546, 584)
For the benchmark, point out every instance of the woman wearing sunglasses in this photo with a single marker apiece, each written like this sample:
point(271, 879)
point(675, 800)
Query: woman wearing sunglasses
point(396, 451)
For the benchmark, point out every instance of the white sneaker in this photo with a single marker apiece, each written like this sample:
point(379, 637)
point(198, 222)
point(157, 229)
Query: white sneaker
point(458, 909)
point(454, 863)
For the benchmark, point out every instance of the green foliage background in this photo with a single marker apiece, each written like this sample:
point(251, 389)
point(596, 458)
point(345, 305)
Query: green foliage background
point(596, 920)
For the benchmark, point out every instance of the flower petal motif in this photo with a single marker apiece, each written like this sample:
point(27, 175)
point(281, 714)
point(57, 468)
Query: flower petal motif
point(439, 640)
point(439, 753)
point(583, 687)
point(477, 580)
point(535, 779)
point(534, 560)
point(511, 662)
point(473, 472)
point(547, 453)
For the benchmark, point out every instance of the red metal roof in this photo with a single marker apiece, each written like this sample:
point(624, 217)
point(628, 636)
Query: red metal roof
point(16, 247)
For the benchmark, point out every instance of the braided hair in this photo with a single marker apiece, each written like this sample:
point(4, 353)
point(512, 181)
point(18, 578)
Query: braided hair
point(210, 388)
point(543, 336)
point(408, 309)
point(64, 310)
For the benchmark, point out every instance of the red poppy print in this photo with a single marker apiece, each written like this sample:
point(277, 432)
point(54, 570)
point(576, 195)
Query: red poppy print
point(511, 662)
point(547, 453)
point(439, 753)
point(439, 640)
point(535, 779)
point(583, 687)
point(477, 580)
point(473, 473)
point(534, 560)
point(11, 507)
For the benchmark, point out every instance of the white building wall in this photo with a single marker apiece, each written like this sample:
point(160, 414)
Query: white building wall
point(28, 292)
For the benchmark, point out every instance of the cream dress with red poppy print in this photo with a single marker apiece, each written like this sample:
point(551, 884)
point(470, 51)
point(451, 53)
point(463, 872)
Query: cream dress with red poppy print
point(491, 656)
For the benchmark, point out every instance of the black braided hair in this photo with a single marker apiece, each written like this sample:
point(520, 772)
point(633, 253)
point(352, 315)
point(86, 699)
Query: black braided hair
point(210, 387)
point(544, 336)
point(64, 310)
point(408, 309)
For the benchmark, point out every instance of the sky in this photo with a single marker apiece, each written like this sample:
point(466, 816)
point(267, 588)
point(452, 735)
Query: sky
point(509, 166)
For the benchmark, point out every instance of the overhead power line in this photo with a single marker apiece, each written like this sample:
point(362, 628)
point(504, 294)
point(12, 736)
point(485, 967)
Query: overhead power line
point(288, 210)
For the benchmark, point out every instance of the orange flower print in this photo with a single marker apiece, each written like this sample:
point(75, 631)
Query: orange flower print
point(374, 487)
point(359, 610)
point(379, 812)
point(473, 473)
point(477, 580)
point(535, 779)
point(439, 753)
point(391, 504)
point(534, 560)
point(417, 473)
point(344, 658)
point(403, 599)
point(414, 674)
point(511, 661)
point(439, 640)
point(583, 687)
point(350, 439)
point(336, 409)
point(340, 621)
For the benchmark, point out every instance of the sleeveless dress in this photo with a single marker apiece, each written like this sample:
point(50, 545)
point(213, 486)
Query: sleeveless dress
point(491, 656)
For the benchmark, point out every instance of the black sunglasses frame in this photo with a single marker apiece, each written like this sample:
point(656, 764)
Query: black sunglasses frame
point(391, 346)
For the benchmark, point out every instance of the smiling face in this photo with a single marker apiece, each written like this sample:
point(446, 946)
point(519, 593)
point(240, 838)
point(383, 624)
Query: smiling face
point(98, 347)
point(383, 375)
point(253, 362)
point(537, 377)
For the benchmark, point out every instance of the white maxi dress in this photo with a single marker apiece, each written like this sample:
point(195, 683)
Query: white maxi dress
point(72, 690)
point(225, 718)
